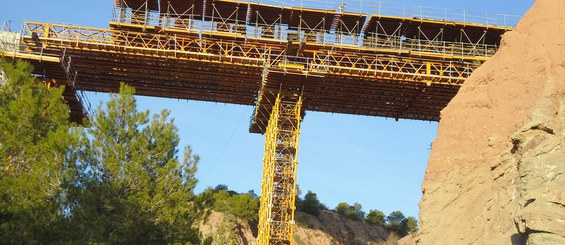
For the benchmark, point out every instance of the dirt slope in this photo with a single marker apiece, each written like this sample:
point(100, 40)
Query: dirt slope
point(495, 173)
point(327, 229)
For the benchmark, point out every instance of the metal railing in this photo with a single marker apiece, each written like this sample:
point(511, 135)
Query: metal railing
point(9, 40)
point(442, 14)
point(60, 37)
point(402, 10)
point(283, 34)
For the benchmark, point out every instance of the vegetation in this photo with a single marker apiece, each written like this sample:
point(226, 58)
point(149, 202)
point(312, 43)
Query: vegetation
point(353, 212)
point(311, 204)
point(410, 225)
point(129, 184)
point(375, 217)
point(396, 222)
point(35, 142)
point(392, 239)
point(225, 235)
point(242, 205)
point(118, 180)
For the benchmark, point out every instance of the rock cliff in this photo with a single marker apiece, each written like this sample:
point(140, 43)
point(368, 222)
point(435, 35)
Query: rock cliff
point(496, 170)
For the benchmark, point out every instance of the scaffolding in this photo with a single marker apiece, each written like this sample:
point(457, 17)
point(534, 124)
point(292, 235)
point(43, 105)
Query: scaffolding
point(283, 58)
point(278, 189)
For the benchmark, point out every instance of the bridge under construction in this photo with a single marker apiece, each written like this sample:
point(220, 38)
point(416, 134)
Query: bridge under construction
point(283, 60)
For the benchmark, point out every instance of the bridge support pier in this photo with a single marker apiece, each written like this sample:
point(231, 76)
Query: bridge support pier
point(278, 189)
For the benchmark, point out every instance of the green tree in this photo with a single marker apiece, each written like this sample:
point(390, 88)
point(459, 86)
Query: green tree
point(130, 186)
point(243, 206)
point(375, 217)
point(395, 218)
point(394, 222)
point(342, 208)
point(409, 225)
point(221, 187)
point(253, 194)
point(358, 211)
point(311, 204)
point(35, 138)
point(353, 212)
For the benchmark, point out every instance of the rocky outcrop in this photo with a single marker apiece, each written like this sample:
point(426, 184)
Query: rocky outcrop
point(496, 169)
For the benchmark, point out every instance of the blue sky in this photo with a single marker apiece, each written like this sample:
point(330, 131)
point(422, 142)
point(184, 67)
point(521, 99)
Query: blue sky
point(377, 162)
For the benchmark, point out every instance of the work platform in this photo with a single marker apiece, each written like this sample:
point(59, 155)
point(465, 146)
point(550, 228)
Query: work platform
point(283, 60)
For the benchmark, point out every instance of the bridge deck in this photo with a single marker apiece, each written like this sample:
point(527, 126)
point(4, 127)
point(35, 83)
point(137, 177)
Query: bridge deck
point(233, 52)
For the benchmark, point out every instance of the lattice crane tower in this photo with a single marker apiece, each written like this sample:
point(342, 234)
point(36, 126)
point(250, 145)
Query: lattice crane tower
point(284, 60)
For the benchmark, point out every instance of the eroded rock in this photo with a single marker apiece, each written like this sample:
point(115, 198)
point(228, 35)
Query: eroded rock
point(496, 170)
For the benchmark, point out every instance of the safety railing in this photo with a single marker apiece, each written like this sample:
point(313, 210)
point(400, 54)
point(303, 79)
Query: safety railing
point(60, 37)
point(390, 8)
point(238, 29)
point(283, 34)
point(442, 14)
point(74, 81)
point(9, 41)
point(138, 17)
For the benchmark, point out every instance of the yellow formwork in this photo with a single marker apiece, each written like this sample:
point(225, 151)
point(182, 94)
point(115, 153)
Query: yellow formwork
point(59, 37)
point(276, 215)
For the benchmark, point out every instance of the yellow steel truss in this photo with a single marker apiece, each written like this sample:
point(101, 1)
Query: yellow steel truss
point(276, 215)
point(178, 47)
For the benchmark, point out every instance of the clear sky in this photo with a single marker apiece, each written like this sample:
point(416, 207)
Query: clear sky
point(377, 162)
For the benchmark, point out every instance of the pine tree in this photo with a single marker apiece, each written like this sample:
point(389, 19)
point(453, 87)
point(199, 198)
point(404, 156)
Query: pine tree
point(311, 204)
point(35, 138)
point(375, 217)
point(131, 186)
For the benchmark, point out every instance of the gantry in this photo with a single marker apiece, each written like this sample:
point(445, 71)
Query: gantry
point(281, 60)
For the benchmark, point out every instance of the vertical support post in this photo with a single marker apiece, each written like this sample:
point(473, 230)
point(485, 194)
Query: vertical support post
point(278, 190)
point(122, 18)
point(46, 34)
point(146, 16)
point(464, 16)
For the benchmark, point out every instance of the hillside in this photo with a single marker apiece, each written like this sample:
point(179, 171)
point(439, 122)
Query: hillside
point(326, 229)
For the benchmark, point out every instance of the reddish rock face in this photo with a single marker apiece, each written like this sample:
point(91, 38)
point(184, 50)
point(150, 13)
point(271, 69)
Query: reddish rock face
point(496, 170)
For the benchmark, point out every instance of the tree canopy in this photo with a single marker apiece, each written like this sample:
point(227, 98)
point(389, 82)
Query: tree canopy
point(311, 204)
point(118, 179)
point(130, 185)
point(35, 140)
point(399, 224)
point(241, 205)
point(354, 212)
point(375, 217)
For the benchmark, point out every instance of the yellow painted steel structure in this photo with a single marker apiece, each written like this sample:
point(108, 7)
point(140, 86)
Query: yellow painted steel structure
point(282, 60)
point(278, 189)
